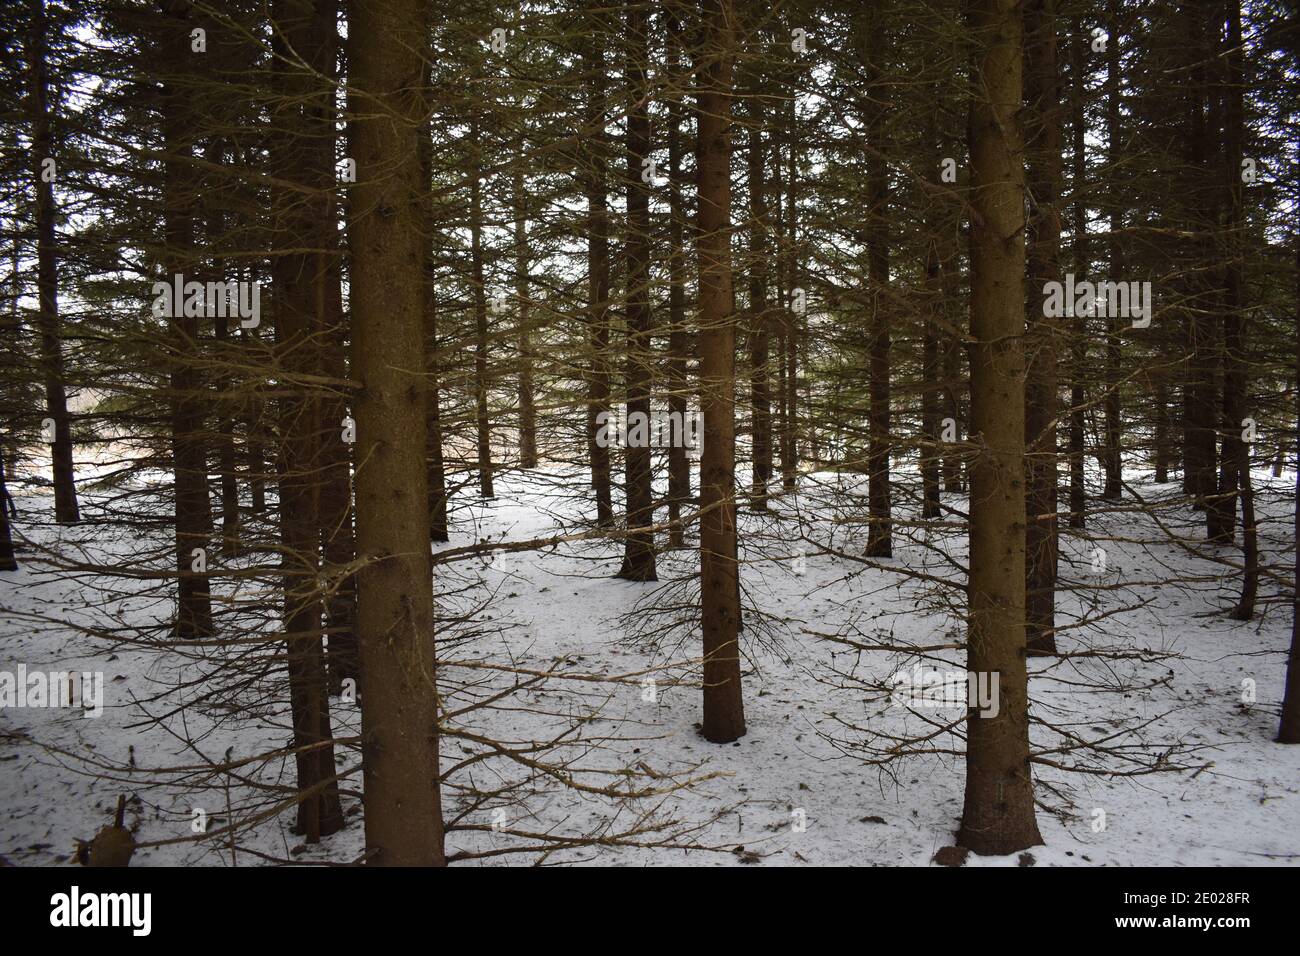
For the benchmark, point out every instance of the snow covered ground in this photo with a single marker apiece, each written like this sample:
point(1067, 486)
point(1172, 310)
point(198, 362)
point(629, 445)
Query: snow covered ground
point(795, 790)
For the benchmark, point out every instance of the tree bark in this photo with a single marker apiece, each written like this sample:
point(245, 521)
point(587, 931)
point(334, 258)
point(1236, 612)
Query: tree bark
point(1043, 153)
point(724, 710)
point(66, 510)
point(639, 555)
point(193, 510)
point(998, 815)
point(399, 709)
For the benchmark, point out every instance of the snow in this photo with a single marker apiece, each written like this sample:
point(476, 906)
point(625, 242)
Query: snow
point(815, 708)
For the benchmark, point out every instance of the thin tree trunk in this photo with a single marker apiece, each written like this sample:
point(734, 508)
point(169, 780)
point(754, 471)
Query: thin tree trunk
point(1043, 153)
point(1111, 462)
point(193, 510)
point(598, 285)
point(724, 709)
point(1289, 728)
point(527, 405)
point(399, 710)
point(483, 424)
point(8, 560)
point(299, 157)
point(679, 467)
point(880, 536)
point(760, 397)
point(338, 543)
point(66, 510)
point(998, 815)
point(436, 467)
point(1082, 255)
point(226, 461)
point(639, 555)
point(1235, 449)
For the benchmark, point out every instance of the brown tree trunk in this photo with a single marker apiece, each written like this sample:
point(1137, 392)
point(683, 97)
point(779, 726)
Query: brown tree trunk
point(639, 555)
point(298, 156)
point(880, 535)
point(483, 425)
point(1235, 449)
point(193, 511)
point(1043, 154)
point(998, 815)
point(527, 405)
point(399, 709)
point(679, 467)
point(598, 284)
point(1289, 728)
point(66, 510)
point(8, 560)
point(435, 466)
point(338, 543)
point(1111, 462)
point(1082, 256)
point(724, 709)
point(760, 397)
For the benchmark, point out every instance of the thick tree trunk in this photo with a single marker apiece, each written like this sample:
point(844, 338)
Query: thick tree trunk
point(1043, 153)
point(639, 555)
point(193, 510)
point(724, 710)
point(998, 816)
point(399, 709)
point(47, 274)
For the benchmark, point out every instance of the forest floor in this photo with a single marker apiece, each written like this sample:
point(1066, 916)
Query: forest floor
point(1184, 771)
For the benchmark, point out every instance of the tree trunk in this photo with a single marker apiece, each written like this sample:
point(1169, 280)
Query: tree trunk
point(1235, 388)
point(1082, 256)
point(527, 407)
point(598, 284)
point(880, 536)
point(724, 709)
point(1043, 154)
point(483, 427)
point(47, 275)
point(998, 815)
point(193, 511)
point(639, 555)
point(1111, 462)
point(298, 156)
point(1289, 728)
point(435, 466)
point(8, 560)
point(679, 467)
point(399, 710)
point(760, 397)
